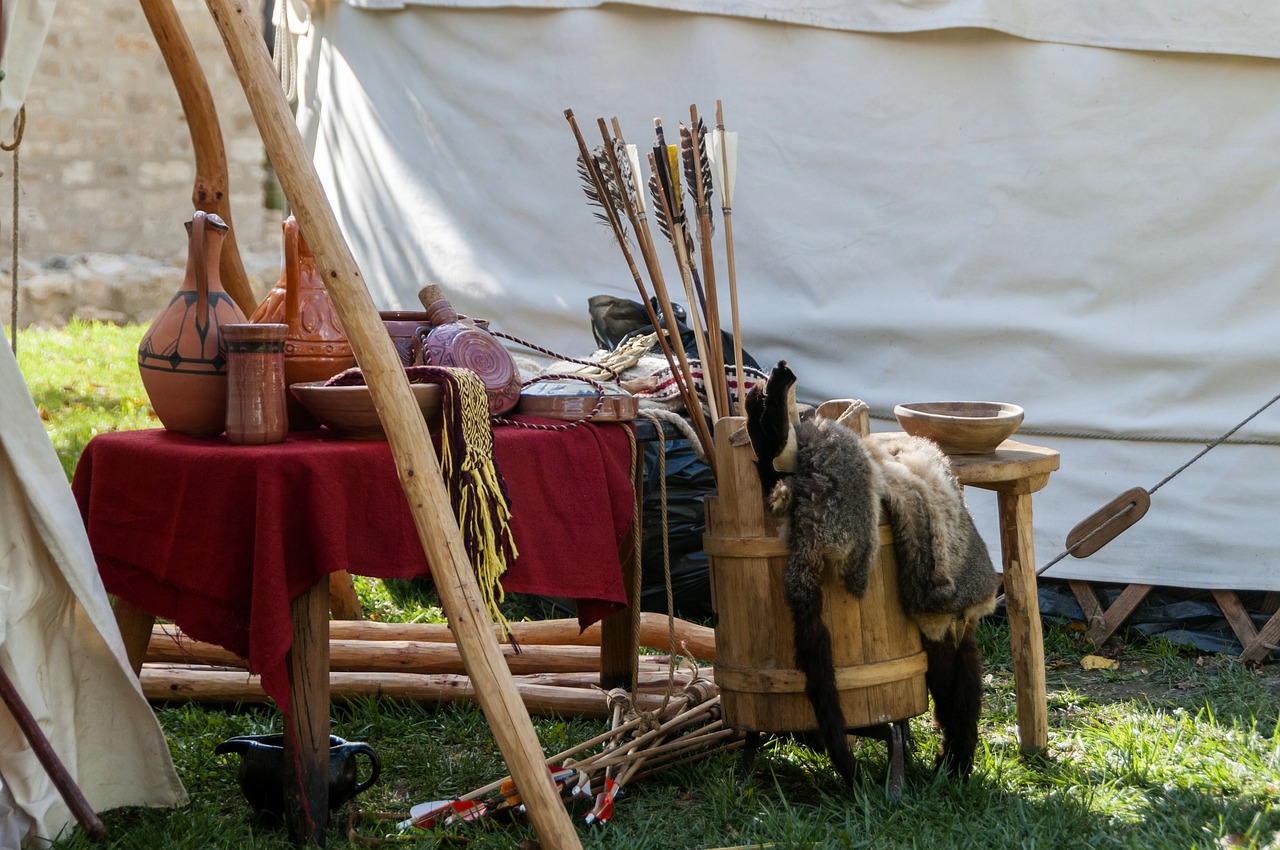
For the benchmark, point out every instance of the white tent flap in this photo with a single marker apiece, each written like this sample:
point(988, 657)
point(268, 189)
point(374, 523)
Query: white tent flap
point(59, 643)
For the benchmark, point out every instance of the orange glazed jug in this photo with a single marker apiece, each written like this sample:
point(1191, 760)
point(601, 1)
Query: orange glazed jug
point(182, 357)
point(315, 346)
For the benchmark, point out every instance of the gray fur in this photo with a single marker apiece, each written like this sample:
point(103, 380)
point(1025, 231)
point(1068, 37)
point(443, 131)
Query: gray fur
point(829, 502)
point(830, 508)
point(945, 575)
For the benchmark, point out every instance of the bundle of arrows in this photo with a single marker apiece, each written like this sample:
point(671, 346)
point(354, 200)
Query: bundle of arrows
point(612, 180)
point(686, 727)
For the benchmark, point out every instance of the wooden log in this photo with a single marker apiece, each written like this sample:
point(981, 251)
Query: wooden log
point(691, 639)
point(392, 656)
point(653, 678)
point(212, 192)
point(197, 685)
point(406, 430)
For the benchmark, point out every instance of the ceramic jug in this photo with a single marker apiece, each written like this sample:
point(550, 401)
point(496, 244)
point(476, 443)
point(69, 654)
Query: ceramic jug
point(262, 770)
point(457, 341)
point(182, 357)
point(315, 347)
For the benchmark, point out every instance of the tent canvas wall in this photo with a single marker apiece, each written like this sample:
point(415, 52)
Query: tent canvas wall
point(59, 644)
point(1072, 207)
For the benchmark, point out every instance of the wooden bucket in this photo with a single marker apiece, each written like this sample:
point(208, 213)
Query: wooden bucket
point(879, 663)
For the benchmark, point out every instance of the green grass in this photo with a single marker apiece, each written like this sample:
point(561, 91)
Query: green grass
point(1171, 750)
point(84, 380)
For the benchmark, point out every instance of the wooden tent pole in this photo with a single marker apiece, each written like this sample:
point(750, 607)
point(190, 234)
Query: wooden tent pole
point(402, 420)
point(211, 193)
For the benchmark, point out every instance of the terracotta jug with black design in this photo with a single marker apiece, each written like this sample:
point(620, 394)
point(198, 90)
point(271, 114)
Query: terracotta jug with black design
point(315, 346)
point(182, 357)
point(457, 341)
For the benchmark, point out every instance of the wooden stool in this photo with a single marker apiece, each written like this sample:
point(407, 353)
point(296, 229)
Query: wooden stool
point(1015, 471)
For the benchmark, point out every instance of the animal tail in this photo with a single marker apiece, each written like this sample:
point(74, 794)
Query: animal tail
point(815, 660)
point(954, 679)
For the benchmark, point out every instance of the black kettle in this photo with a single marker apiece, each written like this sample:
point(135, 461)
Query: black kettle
point(262, 770)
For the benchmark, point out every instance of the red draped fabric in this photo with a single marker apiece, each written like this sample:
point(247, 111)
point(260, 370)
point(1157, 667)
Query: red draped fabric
point(221, 538)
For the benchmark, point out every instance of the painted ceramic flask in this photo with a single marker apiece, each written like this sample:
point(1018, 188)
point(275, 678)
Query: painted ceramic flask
point(457, 341)
point(182, 357)
point(315, 347)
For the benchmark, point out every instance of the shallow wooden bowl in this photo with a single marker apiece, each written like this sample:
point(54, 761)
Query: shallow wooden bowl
point(349, 413)
point(961, 427)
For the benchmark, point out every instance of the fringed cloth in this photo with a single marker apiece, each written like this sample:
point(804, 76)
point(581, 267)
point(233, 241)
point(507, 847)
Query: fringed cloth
point(477, 490)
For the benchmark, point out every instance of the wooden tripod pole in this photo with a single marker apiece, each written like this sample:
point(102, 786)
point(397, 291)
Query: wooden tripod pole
point(211, 192)
point(406, 430)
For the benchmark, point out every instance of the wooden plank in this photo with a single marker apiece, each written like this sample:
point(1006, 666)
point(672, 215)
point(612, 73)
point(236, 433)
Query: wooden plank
point(1090, 605)
point(1268, 637)
point(1104, 622)
point(406, 430)
point(1255, 644)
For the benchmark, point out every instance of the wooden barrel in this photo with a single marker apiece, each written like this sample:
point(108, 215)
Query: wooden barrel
point(879, 663)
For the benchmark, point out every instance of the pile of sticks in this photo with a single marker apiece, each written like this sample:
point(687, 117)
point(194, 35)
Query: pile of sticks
point(612, 180)
point(556, 670)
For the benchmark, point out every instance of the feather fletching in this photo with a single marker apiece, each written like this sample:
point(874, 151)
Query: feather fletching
point(659, 208)
point(608, 179)
point(697, 163)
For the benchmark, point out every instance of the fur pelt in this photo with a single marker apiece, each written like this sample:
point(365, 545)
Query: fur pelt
point(828, 499)
point(945, 575)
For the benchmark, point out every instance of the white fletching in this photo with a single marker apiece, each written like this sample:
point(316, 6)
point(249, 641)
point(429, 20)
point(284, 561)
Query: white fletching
point(633, 154)
point(724, 151)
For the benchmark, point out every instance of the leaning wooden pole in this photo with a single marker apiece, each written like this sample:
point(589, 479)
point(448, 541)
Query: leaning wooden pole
point(406, 430)
point(212, 190)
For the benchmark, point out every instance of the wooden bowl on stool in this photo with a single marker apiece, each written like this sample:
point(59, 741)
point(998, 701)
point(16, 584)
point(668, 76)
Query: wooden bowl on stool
point(961, 427)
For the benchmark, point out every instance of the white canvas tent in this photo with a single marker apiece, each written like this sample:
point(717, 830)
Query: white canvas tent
point(1073, 207)
point(59, 644)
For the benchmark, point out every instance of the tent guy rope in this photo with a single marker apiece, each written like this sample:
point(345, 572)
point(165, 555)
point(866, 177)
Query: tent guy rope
point(1113, 518)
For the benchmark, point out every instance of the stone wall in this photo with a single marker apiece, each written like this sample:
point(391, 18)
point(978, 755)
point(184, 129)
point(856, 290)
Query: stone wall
point(107, 169)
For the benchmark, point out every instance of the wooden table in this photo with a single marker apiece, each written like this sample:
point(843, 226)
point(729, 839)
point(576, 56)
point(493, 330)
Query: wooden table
point(1015, 471)
point(235, 544)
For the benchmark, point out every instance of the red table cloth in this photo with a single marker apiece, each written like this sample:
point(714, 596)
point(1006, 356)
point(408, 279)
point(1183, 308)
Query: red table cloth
point(221, 538)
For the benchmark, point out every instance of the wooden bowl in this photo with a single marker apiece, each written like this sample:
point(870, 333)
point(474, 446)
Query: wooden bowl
point(961, 427)
point(349, 413)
